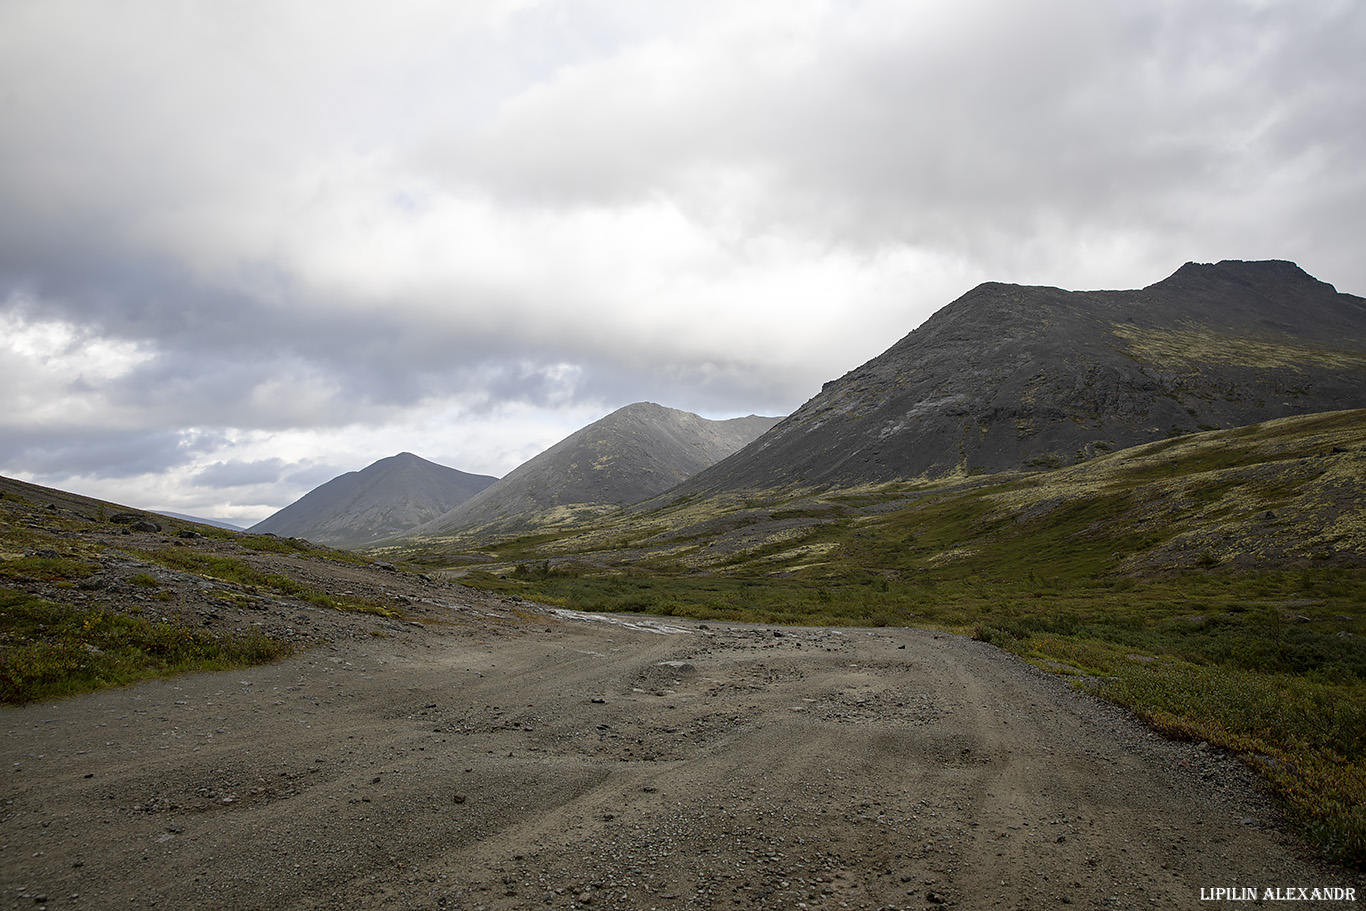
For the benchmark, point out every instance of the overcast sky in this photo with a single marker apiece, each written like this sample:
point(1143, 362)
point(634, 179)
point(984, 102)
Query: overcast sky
point(247, 246)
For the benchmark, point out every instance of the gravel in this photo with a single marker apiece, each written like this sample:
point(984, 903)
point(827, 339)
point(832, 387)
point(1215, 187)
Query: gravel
point(481, 753)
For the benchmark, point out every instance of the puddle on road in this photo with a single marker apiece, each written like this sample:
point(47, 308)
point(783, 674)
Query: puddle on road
point(647, 626)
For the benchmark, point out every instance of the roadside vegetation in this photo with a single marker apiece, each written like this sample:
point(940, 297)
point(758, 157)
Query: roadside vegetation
point(49, 650)
point(1213, 584)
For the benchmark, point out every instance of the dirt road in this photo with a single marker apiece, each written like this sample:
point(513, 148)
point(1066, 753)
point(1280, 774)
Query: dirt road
point(569, 762)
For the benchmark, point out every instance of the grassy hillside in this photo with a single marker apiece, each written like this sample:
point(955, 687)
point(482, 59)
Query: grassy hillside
point(1215, 583)
point(88, 602)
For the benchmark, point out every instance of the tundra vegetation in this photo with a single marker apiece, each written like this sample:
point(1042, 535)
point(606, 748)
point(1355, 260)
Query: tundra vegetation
point(1213, 583)
point(50, 649)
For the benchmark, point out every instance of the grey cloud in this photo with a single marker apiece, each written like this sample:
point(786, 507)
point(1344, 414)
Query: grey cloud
point(214, 347)
point(263, 481)
point(712, 387)
point(94, 453)
point(310, 476)
point(1063, 116)
point(238, 473)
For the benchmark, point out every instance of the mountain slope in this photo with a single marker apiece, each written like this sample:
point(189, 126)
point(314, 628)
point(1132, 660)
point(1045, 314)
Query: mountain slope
point(1010, 376)
point(380, 501)
point(632, 454)
point(1275, 496)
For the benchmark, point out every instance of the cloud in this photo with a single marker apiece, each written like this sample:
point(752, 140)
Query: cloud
point(308, 238)
point(973, 126)
point(238, 473)
point(100, 454)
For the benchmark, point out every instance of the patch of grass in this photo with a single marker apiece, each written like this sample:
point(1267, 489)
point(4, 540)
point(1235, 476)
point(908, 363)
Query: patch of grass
point(274, 544)
point(1308, 738)
point(807, 512)
point(46, 569)
point(49, 651)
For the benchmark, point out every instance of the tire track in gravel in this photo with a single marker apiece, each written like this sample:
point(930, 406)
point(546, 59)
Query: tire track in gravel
point(578, 763)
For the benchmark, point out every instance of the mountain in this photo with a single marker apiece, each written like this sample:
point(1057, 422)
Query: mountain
point(632, 454)
point(383, 500)
point(1012, 376)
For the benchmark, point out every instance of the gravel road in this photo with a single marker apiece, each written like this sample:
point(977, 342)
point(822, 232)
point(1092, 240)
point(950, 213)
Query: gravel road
point(554, 760)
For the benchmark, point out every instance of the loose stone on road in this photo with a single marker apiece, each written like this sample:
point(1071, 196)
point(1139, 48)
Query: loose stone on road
point(571, 761)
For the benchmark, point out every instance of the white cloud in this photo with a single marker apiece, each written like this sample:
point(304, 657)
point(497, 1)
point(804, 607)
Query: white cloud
point(54, 372)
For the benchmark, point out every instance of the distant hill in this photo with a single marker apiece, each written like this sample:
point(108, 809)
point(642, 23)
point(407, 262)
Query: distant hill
point(1010, 376)
point(217, 523)
point(385, 499)
point(632, 454)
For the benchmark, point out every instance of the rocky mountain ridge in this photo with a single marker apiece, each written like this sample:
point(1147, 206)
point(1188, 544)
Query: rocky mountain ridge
point(1012, 376)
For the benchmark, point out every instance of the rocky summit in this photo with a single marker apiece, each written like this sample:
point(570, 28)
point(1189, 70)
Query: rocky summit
point(1010, 376)
point(380, 501)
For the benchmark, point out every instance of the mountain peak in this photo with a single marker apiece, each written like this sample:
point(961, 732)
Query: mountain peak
point(382, 500)
point(1266, 272)
point(1016, 376)
point(634, 453)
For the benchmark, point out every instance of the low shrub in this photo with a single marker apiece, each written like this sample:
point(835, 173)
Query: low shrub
point(48, 650)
